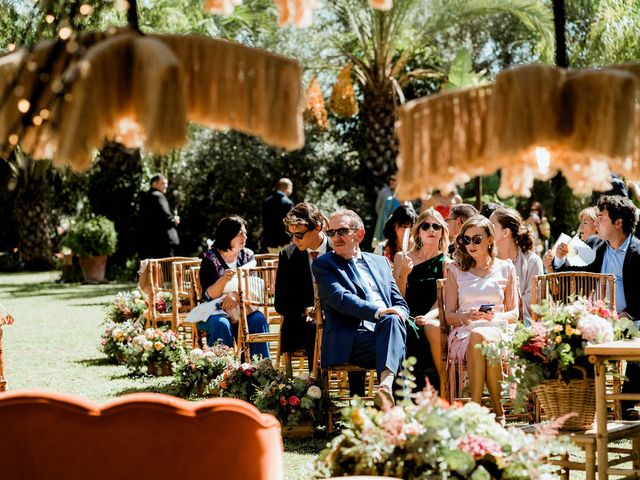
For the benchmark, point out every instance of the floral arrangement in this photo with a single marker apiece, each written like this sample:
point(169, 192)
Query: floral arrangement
point(196, 369)
point(428, 438)
point(117, 338)
point(164, 302)
point(551, 347)
point(243, 380)
point(290, 400)
point(154, 346)
point(126, 306)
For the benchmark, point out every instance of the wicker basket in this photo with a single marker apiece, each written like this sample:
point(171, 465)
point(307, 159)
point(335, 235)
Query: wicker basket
point(558, 398)
point(160, 369)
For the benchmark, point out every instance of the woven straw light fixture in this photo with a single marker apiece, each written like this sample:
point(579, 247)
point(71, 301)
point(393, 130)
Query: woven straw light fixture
point(534, 121)
point(141, 90)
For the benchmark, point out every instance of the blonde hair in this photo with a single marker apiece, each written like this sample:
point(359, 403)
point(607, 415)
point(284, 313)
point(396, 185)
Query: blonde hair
point(589, 212)
point(443, 243)
point(461, 257)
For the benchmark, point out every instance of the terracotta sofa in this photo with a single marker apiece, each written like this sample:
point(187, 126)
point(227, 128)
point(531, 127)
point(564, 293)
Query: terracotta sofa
point(141, 436)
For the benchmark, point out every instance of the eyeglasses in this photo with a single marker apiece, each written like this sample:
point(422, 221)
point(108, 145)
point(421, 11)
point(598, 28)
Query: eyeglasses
point(298, 235)
point(341, 232)
point(426, 226)
point(476, 239)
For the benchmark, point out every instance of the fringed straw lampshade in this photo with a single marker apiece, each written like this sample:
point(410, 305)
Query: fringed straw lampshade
point(141, 90)
point(5, 316)
point(538, 120)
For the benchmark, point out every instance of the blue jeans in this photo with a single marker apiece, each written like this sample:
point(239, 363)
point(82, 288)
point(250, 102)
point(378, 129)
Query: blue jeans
point(218, 327)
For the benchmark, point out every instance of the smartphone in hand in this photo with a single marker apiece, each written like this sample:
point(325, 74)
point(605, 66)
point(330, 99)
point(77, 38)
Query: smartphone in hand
point(487, 307)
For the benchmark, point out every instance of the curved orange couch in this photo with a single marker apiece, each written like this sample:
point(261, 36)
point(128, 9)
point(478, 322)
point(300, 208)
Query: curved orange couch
point(140, 436)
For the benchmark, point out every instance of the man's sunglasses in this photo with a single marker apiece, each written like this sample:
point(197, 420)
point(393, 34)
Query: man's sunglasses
point(341, 232)
point(298, 235)
point(476, 239)
point(426, 226)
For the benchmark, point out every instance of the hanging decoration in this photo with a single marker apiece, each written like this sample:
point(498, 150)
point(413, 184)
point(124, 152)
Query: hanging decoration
point(140, 91)
point(315, 112)
point(343, 100)
point(535, 121)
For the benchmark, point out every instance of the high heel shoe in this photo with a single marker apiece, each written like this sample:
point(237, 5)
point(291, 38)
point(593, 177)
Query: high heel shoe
point(501, 420)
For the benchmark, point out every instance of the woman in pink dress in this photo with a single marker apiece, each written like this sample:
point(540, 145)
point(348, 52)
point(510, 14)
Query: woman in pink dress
point(481, 300)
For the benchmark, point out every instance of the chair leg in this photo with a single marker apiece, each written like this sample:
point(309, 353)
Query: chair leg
point(286, 358)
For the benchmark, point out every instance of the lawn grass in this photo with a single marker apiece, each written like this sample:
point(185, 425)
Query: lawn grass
point(53, 345)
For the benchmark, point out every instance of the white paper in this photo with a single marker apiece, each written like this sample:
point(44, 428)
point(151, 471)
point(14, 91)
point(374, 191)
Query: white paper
point(405, 240)
point(580, 254)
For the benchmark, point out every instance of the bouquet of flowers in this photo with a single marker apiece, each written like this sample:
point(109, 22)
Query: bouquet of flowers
point(428, 438)
point(196, 369)
point(154, 346)
point(117, 337)
point(164, 302)
point(550, 348)
point(126, 306)
point(290, 400)
point(243, 380)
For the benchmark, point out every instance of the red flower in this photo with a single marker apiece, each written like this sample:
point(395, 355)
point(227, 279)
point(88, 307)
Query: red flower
point(293, 400)
point(536, 342)
point(283, 401)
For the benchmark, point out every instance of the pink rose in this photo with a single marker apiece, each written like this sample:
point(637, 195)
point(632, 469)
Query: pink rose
point(293, 400)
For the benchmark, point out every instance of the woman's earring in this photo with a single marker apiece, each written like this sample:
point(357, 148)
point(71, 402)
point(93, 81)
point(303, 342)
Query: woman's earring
point(418, 243)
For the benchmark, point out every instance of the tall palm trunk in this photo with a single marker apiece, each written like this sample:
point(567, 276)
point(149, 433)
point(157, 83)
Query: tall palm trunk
point(378, 115)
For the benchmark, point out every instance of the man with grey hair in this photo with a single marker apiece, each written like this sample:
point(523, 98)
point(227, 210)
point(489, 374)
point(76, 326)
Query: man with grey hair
point(364, 310)
point(274, 209)
point(458, 214)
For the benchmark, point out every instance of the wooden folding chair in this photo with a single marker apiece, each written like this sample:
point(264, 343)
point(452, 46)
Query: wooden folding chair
point(563, 287)
point(5, 319)
point(334, 380)
point(183, 302)
point(195, 294)
point(255, 294)
point(161, 277)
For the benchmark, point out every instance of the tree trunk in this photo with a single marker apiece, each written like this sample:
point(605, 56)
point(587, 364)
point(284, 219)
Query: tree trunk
point(379, 113)
point(31, 215)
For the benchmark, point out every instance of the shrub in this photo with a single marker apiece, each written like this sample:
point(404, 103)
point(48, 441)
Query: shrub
point(92, 236)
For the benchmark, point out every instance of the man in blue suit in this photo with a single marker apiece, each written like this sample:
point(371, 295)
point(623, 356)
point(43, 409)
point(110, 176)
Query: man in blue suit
point(364, 310)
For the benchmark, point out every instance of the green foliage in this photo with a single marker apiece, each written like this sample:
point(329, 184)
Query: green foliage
point(92, 236)
point(224, 173)
point(194, 370)
point(461, 73)
point(428, 438)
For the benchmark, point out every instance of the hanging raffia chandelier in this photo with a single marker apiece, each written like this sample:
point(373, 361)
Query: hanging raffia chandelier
point(63, 99)
point(535, 121)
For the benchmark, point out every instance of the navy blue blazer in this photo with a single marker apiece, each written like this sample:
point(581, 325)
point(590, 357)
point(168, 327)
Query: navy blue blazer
point(344, 301)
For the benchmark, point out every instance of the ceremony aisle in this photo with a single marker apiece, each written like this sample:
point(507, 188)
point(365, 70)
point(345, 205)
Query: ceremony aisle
point(53, 345)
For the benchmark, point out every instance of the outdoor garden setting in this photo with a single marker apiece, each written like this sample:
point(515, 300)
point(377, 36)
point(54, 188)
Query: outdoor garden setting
point(319, 239)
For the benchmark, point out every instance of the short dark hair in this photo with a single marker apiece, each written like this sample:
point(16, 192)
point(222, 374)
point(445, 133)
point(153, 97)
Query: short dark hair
point(226, 230)
point(155, 177)
point(463, 211)
point(488, 208)
point(306, 214)
point(620, 207)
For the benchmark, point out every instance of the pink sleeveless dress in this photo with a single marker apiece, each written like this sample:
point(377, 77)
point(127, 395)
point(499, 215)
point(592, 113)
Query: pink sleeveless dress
point(474, 291)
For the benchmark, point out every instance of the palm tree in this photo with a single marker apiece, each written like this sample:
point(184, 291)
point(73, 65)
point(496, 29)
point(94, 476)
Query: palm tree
point(381, 45)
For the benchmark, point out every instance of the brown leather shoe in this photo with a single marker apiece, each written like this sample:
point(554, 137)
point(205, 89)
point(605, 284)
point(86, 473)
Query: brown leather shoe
point(383, 397)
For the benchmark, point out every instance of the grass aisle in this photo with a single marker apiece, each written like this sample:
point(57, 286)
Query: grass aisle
point(53, 345)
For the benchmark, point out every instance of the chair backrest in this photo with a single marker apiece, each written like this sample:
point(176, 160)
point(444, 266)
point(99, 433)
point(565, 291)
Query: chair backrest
point(52, 435)
point(444, 338)
point(254, 292)
point(196, 288)
point(264, 259)
point(561, 287)
point(161, 279)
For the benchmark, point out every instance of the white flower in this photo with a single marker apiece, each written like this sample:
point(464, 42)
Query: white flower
point(147, 345)
point(595, 329)
point(304, 376)
point(196, 354)
point(314, 392)
point(149, 333)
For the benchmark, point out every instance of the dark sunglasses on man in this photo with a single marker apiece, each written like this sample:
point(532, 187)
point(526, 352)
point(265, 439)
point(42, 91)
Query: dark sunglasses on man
point(341, 232)
point(298, 235)
point(476, 239)
point(426, 226)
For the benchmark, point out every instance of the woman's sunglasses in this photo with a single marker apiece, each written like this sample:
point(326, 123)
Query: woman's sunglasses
point(426, 226)
point(298, 235)
point(476, 239)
